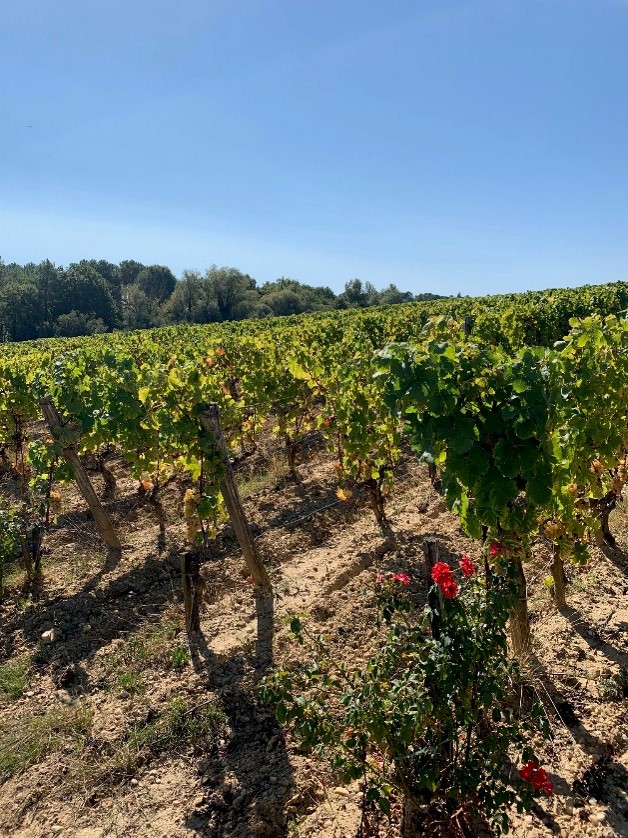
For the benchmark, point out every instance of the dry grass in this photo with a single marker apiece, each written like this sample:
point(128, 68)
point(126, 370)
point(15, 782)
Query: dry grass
point(14, 678)
point(154, 645)
point(273, 475)
point(172, 730)
point(28, 739)
point(85, 765)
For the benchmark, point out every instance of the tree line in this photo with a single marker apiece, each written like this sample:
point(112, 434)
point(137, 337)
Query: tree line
point(94, 296)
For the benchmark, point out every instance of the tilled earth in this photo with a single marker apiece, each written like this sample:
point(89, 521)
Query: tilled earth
point(119, 651)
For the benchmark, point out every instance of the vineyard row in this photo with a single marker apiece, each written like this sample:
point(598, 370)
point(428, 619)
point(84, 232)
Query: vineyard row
point(524, 419)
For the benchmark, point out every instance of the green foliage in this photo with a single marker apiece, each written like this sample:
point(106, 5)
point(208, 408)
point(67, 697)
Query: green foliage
point(513, 430)
point(10, 538)
point(82, 289)
point(156, 281)
point(615, 687)
point(14, 678)
point(96, 295)
point(435, 719)
point(483, 416)
point(179, 657)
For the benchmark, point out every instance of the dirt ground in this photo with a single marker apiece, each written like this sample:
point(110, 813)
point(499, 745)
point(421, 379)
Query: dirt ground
point(118, 650)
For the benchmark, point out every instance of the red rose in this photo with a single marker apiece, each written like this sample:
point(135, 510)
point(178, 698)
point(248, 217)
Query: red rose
point(441, 572)
point(449, 588)
point(528, 770)
point(467, 566)
point(537, 776)
point(548, 787)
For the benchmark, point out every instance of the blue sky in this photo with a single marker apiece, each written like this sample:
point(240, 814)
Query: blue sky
point(477, 146)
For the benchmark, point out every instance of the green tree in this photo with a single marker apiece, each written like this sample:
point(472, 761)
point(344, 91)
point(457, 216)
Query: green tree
point(20, 315)
point(354, 295)
point(110, 273)
point(76, 323)
point(310, 298)
point(393, 296)
point(192, 300)
point(140, 311)
point(82, 289)
point(129, 271)
point(47, 276)
point(233, 292)
point(157, 282)
point(286, 302)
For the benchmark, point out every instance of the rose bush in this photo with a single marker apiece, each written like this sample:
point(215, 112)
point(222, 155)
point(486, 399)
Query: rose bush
point(429, 719)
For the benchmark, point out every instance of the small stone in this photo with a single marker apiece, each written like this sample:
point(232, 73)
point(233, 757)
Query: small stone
point(599, 817)
point(86, 628)
point(49, 636)
point(569, 805)
point(199, 801)
point(592, 801)
point(528, 820)
point(29, 694)
point(135, 783)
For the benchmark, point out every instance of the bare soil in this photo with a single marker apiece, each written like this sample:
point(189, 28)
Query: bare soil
point(250, 781)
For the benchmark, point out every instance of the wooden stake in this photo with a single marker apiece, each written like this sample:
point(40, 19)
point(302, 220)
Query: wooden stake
point(210, 421)
point(105, 527)
point(193, 588)
point(434, 597)
point(430, 548)
point(558, 574)
point(519, 620)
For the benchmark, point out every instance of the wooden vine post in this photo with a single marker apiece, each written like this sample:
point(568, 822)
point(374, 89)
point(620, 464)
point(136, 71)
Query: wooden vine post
point(193, 587)
point(434, 597)
point(558, 574)
point(105, 527)
point(210, 421)
point(519, 619)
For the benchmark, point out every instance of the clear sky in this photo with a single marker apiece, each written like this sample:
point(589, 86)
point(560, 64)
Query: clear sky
point(443, 145)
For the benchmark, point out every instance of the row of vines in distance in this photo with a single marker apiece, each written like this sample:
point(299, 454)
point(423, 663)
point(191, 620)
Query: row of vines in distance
point(526, 434)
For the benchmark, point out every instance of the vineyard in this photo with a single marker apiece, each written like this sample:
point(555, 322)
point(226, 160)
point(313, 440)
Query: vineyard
point(283, 556)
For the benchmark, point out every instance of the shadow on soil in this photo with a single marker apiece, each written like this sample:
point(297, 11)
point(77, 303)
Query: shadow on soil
point(617, 557)
point(112, 611)
point(603, 778)
point(249, 780)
